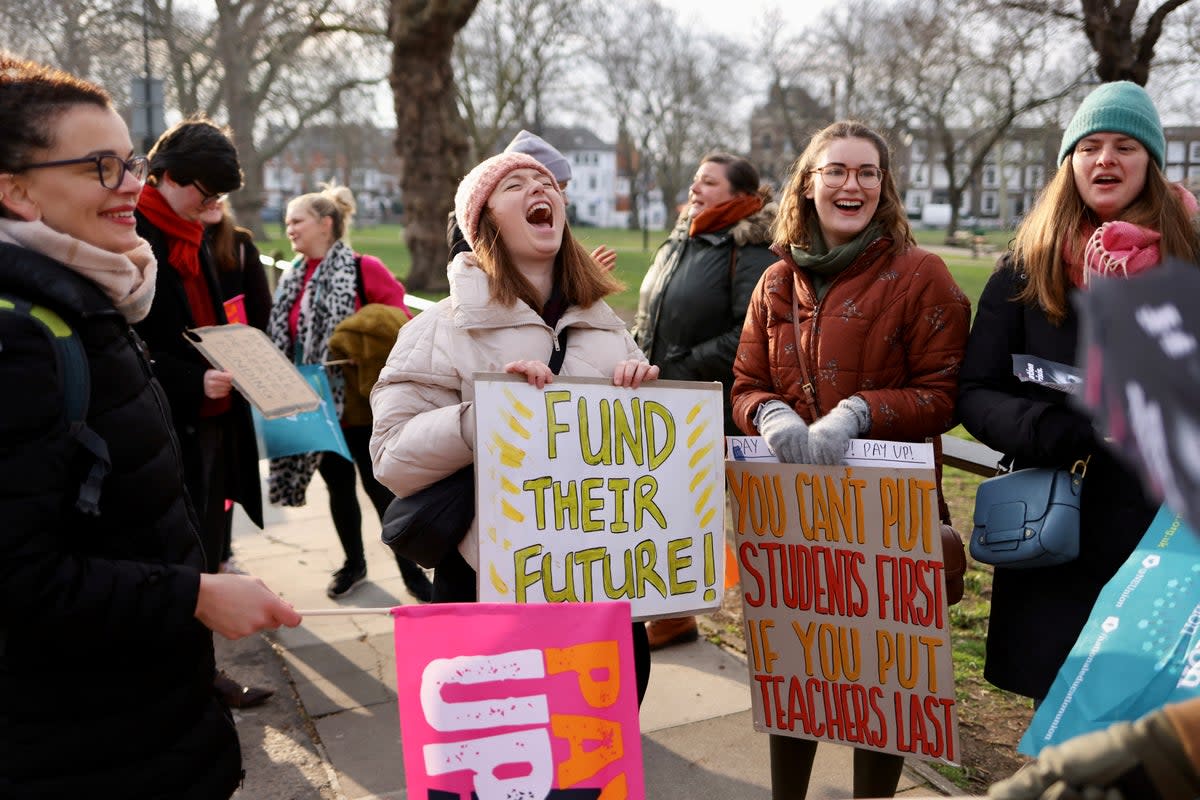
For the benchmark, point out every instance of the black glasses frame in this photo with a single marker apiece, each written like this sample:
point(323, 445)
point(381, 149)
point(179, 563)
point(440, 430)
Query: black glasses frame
point(857, 172)
point(207, 197)
point(138, 165)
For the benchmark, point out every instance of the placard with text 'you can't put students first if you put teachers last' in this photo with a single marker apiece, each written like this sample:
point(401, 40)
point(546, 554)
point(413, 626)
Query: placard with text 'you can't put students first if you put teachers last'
point(594, 492)
point(843, 592)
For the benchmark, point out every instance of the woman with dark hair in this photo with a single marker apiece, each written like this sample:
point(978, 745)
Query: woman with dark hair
point(246, 297)
point(327, 283)
point(1108, 211)
point(107, 668)
point(527, 283)
point(693, 298)
point(854, 332)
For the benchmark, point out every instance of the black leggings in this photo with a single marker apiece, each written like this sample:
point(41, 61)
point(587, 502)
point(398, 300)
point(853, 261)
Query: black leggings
point(454, 582)
point(338, 474)
point(876, 774)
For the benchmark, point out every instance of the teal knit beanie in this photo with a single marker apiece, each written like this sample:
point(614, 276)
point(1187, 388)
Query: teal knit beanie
point(1118, 107)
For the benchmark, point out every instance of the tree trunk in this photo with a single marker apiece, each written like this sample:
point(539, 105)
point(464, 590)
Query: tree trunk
point(429, 130)
point(1122, 55)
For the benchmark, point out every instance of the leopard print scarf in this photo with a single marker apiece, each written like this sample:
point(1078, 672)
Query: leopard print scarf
point(329, 298)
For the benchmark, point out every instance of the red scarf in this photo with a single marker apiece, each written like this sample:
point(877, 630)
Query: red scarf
point(183, 237)
point(724, 215)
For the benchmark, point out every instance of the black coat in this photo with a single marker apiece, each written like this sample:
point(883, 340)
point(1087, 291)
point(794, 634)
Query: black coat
point(1037, 614)
point(105, 674)
point(180, 368)
point(694, 297)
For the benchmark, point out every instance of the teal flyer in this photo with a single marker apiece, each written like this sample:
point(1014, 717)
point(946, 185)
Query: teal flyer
point(1140, 648)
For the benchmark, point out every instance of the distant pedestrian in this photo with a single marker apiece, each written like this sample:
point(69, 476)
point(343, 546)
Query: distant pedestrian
point(694, 296)
point(106, 673)
point(327, 283)
point(855, 332)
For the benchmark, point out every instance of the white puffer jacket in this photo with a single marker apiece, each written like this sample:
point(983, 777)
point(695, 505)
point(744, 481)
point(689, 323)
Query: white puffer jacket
point(427, 385)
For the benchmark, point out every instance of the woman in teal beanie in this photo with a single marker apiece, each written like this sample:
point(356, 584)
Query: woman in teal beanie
point(1108, 210)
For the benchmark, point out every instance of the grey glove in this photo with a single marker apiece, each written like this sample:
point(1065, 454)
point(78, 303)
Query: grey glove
point(1115, 763)
point(827, 437)
point(784, 430)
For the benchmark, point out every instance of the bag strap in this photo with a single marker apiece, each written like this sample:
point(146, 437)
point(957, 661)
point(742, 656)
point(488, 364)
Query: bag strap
point(74, 381)
point(807, 388)
point(560, 352)
point(360, 288)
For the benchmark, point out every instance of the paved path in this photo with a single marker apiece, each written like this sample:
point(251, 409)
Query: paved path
point(332, 730)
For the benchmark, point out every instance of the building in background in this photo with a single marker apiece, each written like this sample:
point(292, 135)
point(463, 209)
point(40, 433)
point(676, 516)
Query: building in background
point(360, 156)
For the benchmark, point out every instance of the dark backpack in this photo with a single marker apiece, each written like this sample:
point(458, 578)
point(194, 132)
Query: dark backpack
point(75, 383)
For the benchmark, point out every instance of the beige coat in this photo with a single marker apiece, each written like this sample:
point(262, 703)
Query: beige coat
point(424, 401)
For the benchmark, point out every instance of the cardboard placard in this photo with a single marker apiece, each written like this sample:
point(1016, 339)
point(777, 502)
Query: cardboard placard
point(260, 371)
point(844, 602)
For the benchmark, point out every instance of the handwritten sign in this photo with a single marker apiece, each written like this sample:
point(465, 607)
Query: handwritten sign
point(859, 452)
point(261, 372)
point(505, 701)
point(589, 491)
point(844, 601)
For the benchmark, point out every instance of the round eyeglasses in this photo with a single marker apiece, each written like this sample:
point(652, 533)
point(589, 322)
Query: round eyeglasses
point(110, 169)
point(835, 176)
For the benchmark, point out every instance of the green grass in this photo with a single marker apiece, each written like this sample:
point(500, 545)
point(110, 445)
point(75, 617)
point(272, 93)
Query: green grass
point(386, 242)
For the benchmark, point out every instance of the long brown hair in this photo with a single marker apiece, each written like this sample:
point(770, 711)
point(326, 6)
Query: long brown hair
point(581, 279)
point(226, 237)
point(796, 211)
point(1049, 237)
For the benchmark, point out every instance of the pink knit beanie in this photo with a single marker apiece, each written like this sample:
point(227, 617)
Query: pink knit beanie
point(473, 192)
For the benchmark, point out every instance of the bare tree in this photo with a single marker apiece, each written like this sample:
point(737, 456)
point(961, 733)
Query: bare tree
point(509, 60)
point(673, 105)
point(267, 61)
point(1124, 51)
point(89, 38)
point(992, 68)
point(429, 129)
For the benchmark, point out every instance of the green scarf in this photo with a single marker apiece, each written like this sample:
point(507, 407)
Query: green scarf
point(823, 264)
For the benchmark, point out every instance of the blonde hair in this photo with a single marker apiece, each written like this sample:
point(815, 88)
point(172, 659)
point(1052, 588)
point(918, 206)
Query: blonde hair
point(576, 273)
point(333, 201)
point(1050, 235)
point(797, 212)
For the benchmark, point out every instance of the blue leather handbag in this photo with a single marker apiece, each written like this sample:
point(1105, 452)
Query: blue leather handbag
point(1029, 518)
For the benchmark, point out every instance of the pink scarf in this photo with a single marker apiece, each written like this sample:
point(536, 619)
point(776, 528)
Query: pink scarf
point(1122, 249)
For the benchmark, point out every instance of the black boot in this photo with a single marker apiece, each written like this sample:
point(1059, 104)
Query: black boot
point(415, 579)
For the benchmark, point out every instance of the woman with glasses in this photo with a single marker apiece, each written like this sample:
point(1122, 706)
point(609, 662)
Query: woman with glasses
point(693, 299)
point(192, 166)
point(107, 666)
point(854, 332)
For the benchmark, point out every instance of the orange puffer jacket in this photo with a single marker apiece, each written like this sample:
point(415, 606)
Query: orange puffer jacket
point(891, 330)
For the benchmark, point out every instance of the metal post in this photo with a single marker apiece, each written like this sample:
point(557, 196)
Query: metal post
point(148, 140)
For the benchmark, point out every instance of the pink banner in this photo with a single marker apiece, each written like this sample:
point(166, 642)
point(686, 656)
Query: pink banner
point(500, 700)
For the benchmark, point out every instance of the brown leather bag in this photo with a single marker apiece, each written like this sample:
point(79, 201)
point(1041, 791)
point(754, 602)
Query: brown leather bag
point(954, 559)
